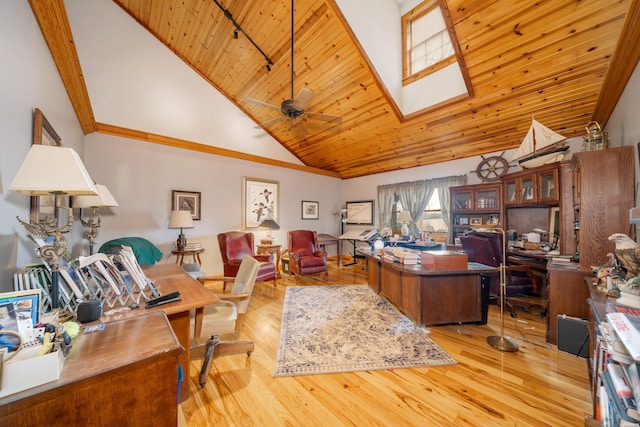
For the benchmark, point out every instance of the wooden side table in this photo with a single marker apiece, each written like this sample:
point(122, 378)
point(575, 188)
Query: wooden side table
point(195, 253)
point(327, 239)
point(268, 250)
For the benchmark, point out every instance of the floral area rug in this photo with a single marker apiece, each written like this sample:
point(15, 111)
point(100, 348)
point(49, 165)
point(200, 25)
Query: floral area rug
point(327, 329)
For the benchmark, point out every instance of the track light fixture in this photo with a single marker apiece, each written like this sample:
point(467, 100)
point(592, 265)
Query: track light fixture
point(238, 29)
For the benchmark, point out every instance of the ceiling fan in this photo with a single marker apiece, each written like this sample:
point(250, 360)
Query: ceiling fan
point(294, 108)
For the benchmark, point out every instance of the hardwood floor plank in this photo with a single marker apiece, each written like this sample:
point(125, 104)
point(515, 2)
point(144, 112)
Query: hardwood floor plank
point(536, 386)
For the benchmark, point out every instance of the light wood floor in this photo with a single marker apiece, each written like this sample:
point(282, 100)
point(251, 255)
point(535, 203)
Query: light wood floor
point(536, 386)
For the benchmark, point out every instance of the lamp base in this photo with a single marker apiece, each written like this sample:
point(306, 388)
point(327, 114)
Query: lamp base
point(181, 243)
point(502, 343)
point(266, 242)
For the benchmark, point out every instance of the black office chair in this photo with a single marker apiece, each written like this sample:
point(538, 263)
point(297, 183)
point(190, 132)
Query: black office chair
point(486, 248)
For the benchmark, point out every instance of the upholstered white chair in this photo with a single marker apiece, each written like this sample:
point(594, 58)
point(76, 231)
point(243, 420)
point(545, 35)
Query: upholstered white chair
point(224, 317)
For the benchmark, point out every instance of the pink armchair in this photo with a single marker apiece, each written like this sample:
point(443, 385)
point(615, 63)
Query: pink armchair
point(304, 255)
point(235, 245)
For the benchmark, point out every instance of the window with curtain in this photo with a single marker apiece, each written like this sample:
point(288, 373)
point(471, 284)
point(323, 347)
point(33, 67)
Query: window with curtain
point(426, 201)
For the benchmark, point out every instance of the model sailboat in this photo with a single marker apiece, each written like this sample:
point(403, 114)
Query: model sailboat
point(540, 146)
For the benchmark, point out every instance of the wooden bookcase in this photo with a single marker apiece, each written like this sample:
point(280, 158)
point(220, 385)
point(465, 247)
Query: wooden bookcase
point(603, 193)
point(480, 202)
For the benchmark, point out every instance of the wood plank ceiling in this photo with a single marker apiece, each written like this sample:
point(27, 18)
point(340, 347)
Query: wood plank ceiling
point(563, 61)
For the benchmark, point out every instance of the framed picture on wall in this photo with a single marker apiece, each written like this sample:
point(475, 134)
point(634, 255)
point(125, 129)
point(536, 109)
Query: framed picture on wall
point(360, 212)
point(259, 201)
point(44, 134)
point(310, 210)
point(186, 201)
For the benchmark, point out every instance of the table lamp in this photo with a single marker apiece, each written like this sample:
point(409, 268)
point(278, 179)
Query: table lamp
point(404, 217)
point(57, 171)
point(181, 219)
point(270, 225)
point(104, 199)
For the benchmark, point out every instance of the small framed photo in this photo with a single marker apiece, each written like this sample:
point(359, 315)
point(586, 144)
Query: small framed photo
point(310, 210)
point(463, 221)
point(493, 220)
point(476, 221)
point(186, 201)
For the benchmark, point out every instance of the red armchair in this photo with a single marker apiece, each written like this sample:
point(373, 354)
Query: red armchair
point(235, 245)
point(304, 256)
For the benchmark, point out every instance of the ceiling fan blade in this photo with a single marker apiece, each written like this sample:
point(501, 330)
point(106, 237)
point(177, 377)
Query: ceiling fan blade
point(303, 98)
point(264, 104)
point(324, 117)
point(272, 121)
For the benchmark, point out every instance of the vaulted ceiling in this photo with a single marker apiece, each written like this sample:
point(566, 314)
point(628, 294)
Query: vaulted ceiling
point(566, 62)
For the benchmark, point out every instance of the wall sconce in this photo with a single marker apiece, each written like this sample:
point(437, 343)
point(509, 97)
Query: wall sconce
point(104, 199)
point(181, 219)
point(56, 171)
point(270, 225)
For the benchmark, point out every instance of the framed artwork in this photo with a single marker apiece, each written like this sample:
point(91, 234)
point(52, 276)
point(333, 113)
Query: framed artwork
point(310, 210)
point(186, 201)
point(44, 134)
point(463, 221)
point(475, 221)
point(360, 212)
point(259, 201)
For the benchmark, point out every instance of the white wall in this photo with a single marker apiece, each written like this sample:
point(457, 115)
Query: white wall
point(28, 79)
point(624, 124)
point(141, 176)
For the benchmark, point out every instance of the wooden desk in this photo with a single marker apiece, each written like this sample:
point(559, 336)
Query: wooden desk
point(567, 294)
point(268, 250)
point(432, 297)
point(328, 239)
point(126, 374)
point(195, 253)
point(170, 278)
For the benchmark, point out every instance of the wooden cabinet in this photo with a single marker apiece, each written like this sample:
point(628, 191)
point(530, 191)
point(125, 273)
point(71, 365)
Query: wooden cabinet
point(532, 186)
point(566, 294)
point(126, 374)
point(471, 204)
point(603, 193)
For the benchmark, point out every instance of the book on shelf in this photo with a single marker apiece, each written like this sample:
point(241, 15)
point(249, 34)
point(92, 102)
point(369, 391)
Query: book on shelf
point(623, 389)
point(616, 409)
point(627, 329)
point(633, 376)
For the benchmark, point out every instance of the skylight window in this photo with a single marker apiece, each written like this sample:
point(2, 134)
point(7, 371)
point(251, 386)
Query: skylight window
point(427, 44)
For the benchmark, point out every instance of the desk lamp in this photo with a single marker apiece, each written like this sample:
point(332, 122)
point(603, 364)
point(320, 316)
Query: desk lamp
point(501, 342)
point(181, 219)
point(404, 217)
point(104, 199)
point(57, 171)
point(270, 225)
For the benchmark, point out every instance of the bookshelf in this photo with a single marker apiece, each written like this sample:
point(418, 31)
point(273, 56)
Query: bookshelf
point(608, 354)
point(474, 205)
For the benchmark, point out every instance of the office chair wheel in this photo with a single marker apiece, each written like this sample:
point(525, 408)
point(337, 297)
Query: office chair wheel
point(514, 314)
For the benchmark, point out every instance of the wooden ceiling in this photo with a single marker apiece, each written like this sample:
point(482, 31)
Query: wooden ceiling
point(565, 62)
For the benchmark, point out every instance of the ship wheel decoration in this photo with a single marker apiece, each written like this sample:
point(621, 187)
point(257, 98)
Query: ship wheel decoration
point(492, 168)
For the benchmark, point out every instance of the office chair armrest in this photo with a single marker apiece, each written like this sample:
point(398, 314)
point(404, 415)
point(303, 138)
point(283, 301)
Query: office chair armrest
point(232, 297)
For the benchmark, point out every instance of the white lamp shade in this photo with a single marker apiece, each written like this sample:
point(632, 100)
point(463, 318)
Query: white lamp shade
point(48, 169)
point(404, 216)
point(104, 199)
point(180, 219)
